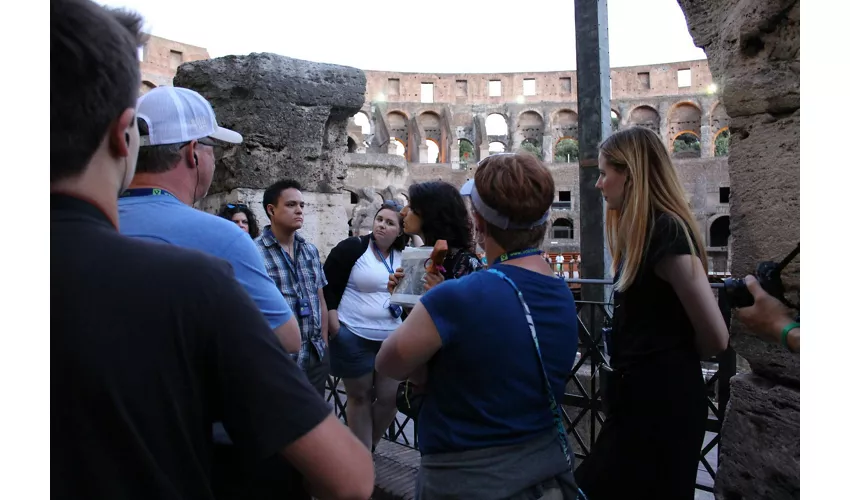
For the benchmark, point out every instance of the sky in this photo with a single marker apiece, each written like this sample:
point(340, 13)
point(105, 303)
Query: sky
point(437, 36)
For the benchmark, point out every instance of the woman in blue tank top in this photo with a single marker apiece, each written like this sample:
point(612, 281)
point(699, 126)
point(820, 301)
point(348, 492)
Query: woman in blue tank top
point(494, 350)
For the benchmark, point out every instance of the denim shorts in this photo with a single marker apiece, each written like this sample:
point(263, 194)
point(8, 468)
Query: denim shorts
point(351, 355)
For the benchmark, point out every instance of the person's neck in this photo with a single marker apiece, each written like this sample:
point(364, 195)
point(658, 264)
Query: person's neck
point(531, 262)
point(96, 187)
point(384, 251)
point(285, 236)
point(171, 181)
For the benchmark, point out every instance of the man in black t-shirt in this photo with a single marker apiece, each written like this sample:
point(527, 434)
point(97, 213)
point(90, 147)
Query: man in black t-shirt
point(152, 343)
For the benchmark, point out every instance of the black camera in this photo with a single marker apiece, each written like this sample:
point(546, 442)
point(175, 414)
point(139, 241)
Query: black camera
point(769, 277)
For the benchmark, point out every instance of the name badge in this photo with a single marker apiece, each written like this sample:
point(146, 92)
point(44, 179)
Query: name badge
point(304, 308)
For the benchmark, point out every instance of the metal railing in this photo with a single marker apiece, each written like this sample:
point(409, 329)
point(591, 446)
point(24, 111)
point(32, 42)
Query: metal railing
point(582, 403)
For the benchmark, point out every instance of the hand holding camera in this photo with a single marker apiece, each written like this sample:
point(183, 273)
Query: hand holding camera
point(767, 317)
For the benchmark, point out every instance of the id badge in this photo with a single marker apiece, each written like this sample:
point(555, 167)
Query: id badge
point(304, 308)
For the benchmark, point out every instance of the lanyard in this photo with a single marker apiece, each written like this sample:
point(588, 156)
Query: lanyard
point(553, 403)
point(519, 254)
point(381, 256)
point(137, 192)
point(292, 265)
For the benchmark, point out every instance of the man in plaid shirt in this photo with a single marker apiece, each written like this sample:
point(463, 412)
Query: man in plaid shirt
point(293, 264)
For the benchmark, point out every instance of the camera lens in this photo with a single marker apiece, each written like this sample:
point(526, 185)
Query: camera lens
point(737, 293)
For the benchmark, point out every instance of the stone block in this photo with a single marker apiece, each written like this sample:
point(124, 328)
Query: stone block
point(324, 214)
point(753, 48)
point(760, 442)
point(293, 115)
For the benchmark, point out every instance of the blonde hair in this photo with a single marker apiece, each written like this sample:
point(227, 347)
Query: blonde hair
point(652, 188)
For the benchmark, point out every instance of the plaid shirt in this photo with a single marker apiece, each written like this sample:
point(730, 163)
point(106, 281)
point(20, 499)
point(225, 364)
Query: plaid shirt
point(310, 279)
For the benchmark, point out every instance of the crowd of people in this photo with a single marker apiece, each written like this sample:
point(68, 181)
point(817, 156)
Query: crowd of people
point(194, 349)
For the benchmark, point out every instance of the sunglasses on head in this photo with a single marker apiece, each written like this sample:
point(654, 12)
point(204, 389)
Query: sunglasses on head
point(393, 205)
point(238, 205)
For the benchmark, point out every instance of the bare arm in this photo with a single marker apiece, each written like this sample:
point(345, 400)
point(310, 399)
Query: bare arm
point(767, 317)
point(289, 335)
point(409, 347)
point(688, 279)
point(324, 308)
point(335, 464)
point(333, 323)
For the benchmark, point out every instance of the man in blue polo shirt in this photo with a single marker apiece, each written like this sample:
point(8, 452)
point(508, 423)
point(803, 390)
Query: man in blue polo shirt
point(179, 134)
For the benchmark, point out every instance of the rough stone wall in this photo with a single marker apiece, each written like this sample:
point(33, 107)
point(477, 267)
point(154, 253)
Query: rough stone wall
point(293, 116)
point(753, 47)
point(473, 88)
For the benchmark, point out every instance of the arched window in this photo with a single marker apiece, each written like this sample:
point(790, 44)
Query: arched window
point(562, 229)
point(433, 151)
point(718, 233)
point(496, 125)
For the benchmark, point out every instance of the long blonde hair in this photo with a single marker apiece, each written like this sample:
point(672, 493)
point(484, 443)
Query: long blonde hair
point(652, 188)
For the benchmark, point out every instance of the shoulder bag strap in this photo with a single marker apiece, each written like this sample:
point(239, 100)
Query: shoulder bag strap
point(553, 403)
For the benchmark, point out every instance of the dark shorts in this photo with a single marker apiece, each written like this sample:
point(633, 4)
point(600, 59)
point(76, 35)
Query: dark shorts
point(317, 371)
point(352, 356)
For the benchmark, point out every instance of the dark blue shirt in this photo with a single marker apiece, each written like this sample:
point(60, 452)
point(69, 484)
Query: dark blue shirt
point(485, 387)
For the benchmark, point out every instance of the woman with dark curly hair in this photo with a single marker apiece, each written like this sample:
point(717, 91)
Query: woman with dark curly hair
point(437, 212)
point(242, 216)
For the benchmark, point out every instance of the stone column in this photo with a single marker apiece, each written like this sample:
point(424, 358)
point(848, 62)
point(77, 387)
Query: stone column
point(755, 58)
point(548, 148)
point(292, 115)
point(705, 142)
point(594, 111)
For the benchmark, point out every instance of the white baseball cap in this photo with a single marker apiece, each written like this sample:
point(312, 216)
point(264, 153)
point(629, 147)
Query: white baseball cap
point(176, 115)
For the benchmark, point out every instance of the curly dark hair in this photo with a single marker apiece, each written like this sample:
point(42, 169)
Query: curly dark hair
point(229, 210)
point(443, 213)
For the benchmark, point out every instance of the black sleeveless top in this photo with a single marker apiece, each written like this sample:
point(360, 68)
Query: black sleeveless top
point(649, 321)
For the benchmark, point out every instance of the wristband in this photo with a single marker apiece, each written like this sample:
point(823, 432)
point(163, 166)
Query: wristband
point(788, 328)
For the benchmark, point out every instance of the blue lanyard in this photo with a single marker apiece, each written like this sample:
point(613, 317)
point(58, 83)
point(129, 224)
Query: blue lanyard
point(381, 256)
point(292, 264)
point(137, 192)
point(553, 403)
point(518, 254)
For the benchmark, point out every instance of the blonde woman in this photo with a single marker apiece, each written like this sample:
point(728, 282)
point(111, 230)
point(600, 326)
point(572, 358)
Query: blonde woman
point(665, 320)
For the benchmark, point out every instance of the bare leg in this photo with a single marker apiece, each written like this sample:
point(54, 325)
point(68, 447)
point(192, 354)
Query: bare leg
point(384, 408)
point(358, 392)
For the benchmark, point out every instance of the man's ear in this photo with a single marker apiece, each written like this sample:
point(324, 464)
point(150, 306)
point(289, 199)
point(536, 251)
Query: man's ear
point(120, 131)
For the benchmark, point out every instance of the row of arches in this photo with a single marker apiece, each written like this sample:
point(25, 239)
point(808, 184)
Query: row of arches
point(684, 131)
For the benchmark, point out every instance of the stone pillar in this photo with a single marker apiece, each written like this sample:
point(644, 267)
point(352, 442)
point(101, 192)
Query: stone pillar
point(705, 142)
point(548, 148)
point(292, 115)
point(755, 59)
point(594, 111)
point(664, 124)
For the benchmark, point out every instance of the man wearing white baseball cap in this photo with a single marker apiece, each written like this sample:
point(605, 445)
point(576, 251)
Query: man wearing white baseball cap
point(179, 134)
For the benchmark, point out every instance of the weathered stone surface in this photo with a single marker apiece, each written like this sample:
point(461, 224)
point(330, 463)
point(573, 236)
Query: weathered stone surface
point(324, 214)
point(292, 113)
point(753, 48)
point(760, 447)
